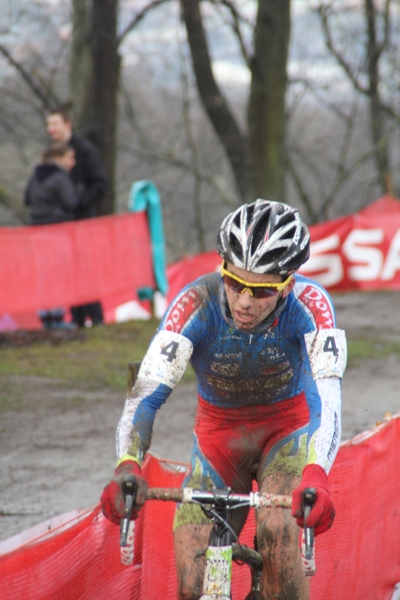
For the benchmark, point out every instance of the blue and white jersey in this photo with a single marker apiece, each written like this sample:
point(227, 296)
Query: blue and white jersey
point(300, 352)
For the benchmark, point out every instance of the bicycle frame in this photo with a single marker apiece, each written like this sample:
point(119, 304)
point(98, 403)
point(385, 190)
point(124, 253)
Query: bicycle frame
point(218, 564)
point(217, 504)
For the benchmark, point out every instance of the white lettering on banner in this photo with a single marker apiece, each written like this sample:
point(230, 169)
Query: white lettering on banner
point(328, 266)
point(392, 263)
point(368, 262)
point(356, 250)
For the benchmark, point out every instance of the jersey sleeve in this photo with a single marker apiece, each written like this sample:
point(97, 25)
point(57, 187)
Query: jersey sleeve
point(161, 370)
point(325, 350)
point(159, 373)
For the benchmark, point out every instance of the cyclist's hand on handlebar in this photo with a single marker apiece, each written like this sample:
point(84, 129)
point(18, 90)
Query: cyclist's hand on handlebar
point(323, 512)
point(112, 498)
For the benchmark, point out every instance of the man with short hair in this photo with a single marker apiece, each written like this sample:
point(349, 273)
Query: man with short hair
point(89, 172)
point(269, 360)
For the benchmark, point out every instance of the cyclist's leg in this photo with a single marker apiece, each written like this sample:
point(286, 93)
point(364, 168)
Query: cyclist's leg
point(191, 526)
point(277, 532)
point(190, 542)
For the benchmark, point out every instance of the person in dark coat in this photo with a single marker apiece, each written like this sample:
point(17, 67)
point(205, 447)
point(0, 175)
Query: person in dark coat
point(53, 197)
point(51, 193)
point(89, 171)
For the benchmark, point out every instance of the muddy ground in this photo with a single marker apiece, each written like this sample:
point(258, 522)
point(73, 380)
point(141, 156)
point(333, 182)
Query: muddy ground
point(57, 450)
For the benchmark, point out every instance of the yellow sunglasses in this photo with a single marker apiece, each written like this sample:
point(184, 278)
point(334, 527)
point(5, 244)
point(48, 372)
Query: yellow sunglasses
point(257, 290)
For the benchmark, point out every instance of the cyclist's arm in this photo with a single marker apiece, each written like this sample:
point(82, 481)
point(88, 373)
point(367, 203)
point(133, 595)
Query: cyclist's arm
point(327, 354)
point(324, 354)
point(160, 371)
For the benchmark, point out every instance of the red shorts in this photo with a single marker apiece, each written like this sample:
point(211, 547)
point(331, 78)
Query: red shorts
point(236, 445)
point(240, 444)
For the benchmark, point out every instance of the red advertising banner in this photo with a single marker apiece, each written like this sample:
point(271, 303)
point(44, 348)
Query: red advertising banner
point(358, 252)
point(107, 259)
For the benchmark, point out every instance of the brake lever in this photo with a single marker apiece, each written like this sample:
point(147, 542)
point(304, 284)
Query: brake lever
point(129, 493)
point(309, 497)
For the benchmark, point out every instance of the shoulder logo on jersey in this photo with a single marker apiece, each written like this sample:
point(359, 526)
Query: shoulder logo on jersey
point(313, 298)
point(182, 310)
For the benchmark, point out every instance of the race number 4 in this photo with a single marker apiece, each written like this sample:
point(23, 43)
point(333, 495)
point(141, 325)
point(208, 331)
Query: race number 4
point(327, 351)
point(170, 351)
point(167, 358)
point(330, 345)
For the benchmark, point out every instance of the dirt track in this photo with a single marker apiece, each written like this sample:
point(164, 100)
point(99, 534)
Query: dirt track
point(56, 456)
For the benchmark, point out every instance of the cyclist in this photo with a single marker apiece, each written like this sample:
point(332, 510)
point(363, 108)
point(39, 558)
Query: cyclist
point(269, 360)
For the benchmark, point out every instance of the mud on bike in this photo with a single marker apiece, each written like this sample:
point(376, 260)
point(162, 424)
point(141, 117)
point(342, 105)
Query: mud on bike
point(223, 546)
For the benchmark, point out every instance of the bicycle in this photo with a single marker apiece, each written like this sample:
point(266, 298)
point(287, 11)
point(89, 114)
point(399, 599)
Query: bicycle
point(224, 546)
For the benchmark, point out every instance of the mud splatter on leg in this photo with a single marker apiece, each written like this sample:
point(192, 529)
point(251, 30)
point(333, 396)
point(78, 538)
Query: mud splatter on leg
point(190, 542)
point(277, 534)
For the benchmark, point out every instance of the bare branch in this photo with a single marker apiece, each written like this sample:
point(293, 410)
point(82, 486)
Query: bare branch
point(304, 197)
point(138, 17)
point(323, 99)
point(237, 19)
point(151, 152)
point(386, 24)
point(47, 100)
point(214, 102)
point(323, 11)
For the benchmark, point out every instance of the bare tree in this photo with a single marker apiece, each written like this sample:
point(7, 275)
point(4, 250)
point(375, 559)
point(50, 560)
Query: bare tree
point(215, 104)
point(95, 74)
point(257, 157)
point(366, 76)
point(318, 149)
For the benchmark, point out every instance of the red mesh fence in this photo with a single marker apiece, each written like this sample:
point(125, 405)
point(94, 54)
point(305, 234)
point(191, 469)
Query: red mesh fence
point(358, 559)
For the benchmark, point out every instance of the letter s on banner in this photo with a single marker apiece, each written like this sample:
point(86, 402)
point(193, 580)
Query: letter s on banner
point(330, 264)
point(356, 250)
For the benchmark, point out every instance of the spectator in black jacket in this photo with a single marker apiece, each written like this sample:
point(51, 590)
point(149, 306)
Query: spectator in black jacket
point(90, 172)
point(53, 197)
point(51, 193)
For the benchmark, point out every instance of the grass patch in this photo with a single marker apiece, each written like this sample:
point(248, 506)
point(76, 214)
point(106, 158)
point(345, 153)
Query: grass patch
point(361, 348)
point(100, 357)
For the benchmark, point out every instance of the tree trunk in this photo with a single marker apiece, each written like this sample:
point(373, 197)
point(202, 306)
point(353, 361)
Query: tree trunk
point(81, 64)
point(266, 109)
point(104, 89)
point(95, 69)
point(377, 117)
point(217, 108)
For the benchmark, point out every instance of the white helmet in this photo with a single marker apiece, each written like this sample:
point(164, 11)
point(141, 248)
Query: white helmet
point(264, 237)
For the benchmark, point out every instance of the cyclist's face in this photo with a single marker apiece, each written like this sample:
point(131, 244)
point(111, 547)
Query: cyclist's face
point(248, 311)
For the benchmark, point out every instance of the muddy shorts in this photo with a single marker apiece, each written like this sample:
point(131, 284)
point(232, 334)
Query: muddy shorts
point(236, 445)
